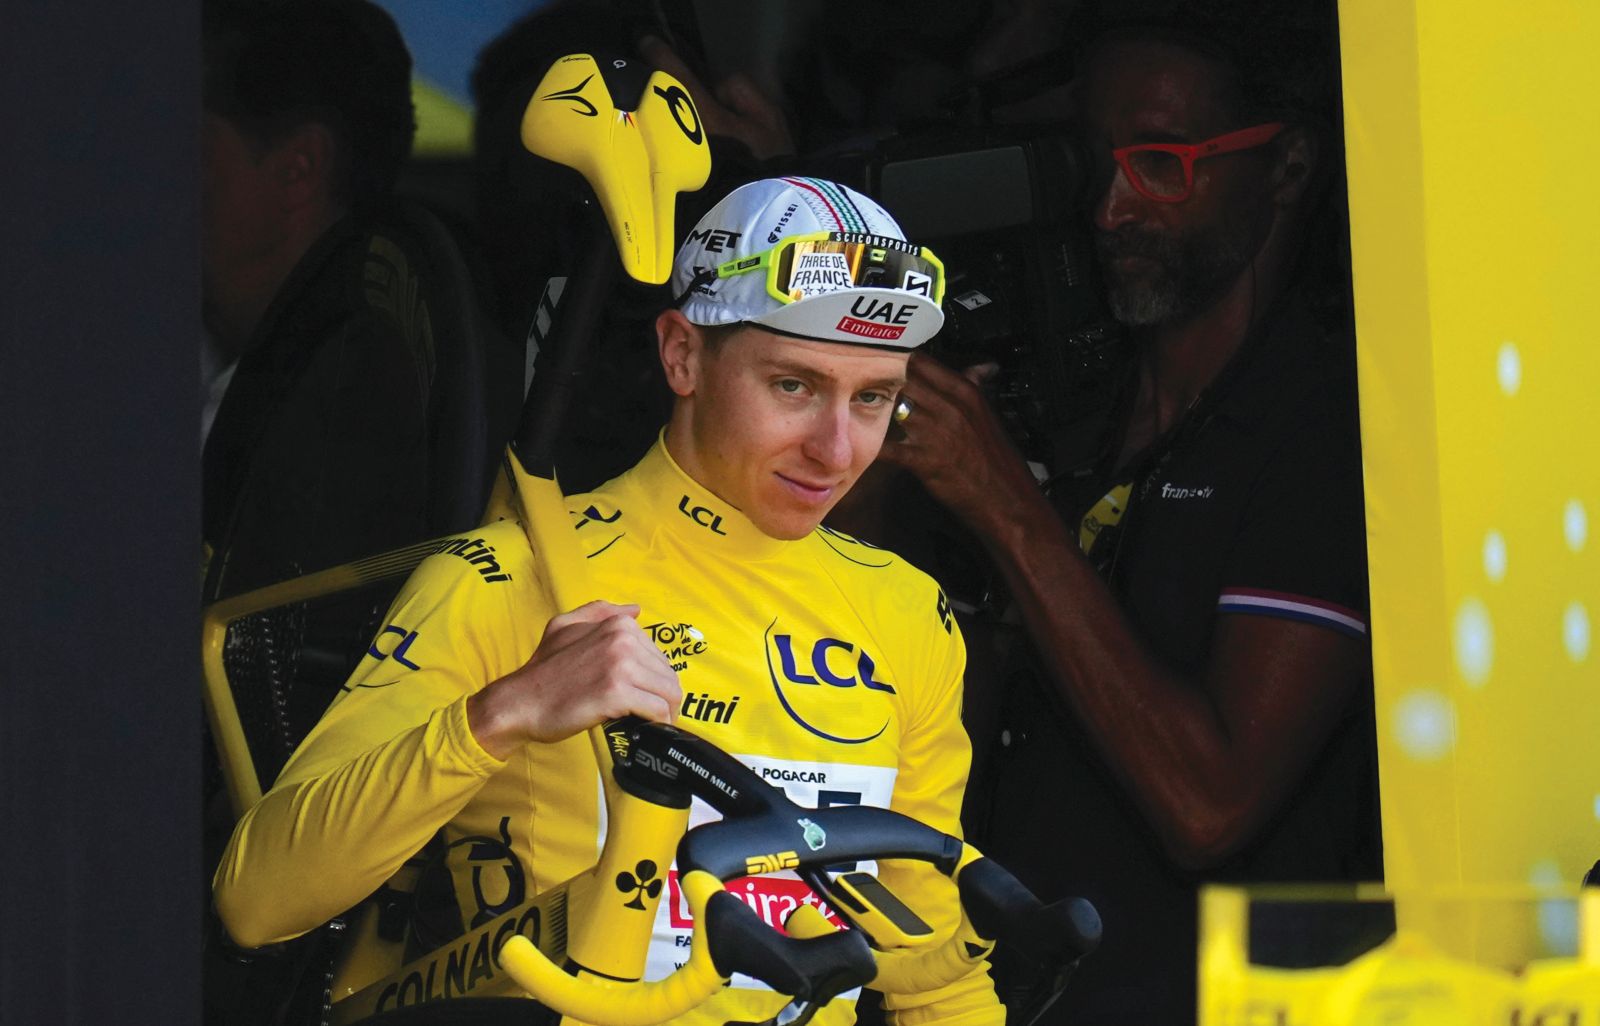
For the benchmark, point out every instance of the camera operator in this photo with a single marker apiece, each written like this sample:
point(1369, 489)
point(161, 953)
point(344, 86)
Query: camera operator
point(1199, 708)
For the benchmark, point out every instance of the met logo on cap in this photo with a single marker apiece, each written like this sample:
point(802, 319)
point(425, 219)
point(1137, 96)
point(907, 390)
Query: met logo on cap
point(877, 318)
point(715, 240)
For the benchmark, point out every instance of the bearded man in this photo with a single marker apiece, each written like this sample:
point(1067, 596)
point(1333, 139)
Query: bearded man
point(1196, 705)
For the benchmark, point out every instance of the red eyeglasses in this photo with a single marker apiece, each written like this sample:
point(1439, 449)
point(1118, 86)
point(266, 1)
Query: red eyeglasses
point(1164, 172)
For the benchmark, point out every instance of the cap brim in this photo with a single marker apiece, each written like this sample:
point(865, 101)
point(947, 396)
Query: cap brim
point(884, 318)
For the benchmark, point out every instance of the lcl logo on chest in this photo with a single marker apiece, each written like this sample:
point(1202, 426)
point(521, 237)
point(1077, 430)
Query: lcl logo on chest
point(840, 713)
point(823, 669)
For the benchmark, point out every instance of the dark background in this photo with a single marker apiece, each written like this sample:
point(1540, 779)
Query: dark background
point(100, 877)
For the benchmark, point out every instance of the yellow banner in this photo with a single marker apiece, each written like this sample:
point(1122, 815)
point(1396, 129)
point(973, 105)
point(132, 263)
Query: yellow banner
point(1471, 134)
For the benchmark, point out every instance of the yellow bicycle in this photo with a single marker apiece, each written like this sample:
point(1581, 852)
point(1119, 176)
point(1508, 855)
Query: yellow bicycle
point(579, 948)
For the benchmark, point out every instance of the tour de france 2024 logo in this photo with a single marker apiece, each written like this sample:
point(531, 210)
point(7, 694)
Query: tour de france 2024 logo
point(833, 687)
point(679, 642)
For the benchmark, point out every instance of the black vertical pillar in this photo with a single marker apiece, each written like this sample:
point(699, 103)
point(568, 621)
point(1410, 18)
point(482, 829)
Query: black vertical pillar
point(100, 882)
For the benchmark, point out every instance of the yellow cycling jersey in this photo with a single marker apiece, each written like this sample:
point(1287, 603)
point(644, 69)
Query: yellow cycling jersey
point(829, 666)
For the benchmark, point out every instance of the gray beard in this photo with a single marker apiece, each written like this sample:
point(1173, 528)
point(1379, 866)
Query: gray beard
point(1191, 272)
point(1143, 304)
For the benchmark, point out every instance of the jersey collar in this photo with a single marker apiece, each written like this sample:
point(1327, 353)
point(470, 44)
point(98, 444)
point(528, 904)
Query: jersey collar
point(690, 512)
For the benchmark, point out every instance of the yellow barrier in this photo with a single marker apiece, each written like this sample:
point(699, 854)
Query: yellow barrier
point(1404, 976)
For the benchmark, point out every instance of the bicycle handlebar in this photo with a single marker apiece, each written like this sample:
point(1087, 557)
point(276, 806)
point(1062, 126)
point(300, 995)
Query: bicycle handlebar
point(734, 939)
point(763, 832)
point(994, 906)
point(617, 1003)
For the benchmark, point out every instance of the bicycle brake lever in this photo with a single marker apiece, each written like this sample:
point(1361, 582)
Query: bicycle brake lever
point(1059, 935)
point(811, 970)
point(1002, 907)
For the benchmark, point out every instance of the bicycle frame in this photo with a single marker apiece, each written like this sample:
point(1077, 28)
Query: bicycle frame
point(579, 948)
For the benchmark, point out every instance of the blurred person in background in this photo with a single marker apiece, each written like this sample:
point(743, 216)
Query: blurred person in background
point(318, 452)
point(1194, 699)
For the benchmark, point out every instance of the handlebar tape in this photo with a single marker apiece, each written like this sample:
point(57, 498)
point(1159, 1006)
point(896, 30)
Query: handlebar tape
point(808, 969)
point(994, 905)
point(622, 1002)
point(907, 970)
point(733, 939)
point(614, 1002)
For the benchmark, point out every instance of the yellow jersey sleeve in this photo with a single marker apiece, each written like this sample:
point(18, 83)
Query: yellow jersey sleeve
point(934, 758)
point(391, 761)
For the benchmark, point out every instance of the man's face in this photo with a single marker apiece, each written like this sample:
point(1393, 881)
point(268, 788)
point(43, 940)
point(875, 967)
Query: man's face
point(781, 428)
point(240, 216)
point(1164, 262)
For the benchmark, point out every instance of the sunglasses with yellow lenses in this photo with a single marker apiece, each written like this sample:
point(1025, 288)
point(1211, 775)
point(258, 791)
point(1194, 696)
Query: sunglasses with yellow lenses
point(802, 266)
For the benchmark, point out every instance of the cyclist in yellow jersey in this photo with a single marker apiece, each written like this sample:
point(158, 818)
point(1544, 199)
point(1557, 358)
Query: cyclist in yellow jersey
point(829, 666)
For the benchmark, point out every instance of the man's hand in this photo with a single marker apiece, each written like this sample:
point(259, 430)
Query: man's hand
point(957, 447)
point(594, 663)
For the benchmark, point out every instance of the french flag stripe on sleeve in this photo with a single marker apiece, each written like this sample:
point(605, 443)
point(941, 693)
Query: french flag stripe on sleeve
point(1291, 607)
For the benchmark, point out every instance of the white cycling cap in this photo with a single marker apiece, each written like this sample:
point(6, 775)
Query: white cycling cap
point(813, 259)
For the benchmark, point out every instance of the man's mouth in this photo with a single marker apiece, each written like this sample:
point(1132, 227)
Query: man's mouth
point(1127, 248)
point(809, 491)
point(1131, 263)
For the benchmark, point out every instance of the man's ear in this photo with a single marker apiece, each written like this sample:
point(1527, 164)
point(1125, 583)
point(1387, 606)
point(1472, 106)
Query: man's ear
point(681, 345)
point(303, 164)
point(1292, 171)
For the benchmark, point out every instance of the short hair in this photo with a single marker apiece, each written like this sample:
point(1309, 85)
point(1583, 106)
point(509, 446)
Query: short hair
point(272, 66)
point(1282, 59)
point(716, 335)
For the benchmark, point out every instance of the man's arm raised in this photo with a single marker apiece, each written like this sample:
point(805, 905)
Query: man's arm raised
point(1207, 760)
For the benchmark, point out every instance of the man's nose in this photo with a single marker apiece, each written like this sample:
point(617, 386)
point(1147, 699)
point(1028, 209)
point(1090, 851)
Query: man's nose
point(1119, 204)
point(828, 442)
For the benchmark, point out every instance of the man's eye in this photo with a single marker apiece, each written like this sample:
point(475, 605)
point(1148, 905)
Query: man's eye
point(873, 398)
point(792, 386)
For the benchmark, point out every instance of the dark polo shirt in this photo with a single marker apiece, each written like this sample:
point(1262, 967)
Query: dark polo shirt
point(1256, 505)
point(1253, 506)
point(319, 453)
